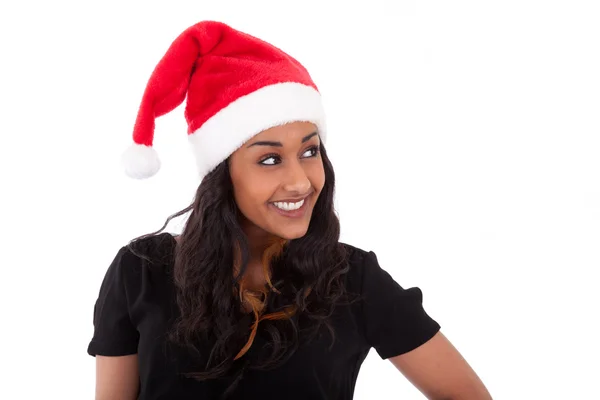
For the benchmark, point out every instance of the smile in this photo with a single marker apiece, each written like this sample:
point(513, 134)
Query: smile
point(289, 206)
point(291, 209)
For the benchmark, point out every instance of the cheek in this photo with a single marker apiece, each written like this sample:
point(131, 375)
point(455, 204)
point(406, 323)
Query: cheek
point(250, 193)
point(317, 177)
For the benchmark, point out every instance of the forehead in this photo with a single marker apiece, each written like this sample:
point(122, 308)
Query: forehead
point(291, 132)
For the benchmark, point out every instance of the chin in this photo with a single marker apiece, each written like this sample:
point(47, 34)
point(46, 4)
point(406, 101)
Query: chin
point(290, 234)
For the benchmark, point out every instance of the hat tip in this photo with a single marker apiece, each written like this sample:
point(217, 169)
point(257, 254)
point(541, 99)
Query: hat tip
point(140, 161)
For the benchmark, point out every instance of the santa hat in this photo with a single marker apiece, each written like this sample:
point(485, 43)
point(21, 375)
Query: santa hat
point(236, 87)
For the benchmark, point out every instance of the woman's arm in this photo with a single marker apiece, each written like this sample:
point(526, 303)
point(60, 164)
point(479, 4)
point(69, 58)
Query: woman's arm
point(117, 378)
point(439, 371)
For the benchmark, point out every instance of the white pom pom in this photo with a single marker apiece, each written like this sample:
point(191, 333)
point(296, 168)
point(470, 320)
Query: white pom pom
point(140, 161)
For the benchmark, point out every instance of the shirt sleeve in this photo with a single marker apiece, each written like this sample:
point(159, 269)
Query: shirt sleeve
point(114, 333)
point(395, 320)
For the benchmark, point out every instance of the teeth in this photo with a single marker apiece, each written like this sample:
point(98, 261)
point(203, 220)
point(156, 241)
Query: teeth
point(289, 206)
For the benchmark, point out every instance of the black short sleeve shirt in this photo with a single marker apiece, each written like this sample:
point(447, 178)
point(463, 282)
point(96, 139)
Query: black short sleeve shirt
point(136, 305)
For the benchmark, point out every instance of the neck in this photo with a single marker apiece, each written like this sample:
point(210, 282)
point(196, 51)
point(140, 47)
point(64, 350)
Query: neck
point(261, 244)
point(258, 240)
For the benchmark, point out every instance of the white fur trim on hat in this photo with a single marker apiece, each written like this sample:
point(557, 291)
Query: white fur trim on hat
point(249, 115)
point(140, 161)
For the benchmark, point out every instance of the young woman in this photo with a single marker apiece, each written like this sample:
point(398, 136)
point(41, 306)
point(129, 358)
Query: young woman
point(257, 298)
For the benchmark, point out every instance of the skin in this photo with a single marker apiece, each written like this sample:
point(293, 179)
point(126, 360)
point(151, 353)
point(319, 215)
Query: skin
point(261, 175)
point(117, 377)
point(439, 371)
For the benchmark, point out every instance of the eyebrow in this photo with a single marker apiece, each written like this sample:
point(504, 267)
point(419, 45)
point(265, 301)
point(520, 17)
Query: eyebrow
point(278, 144)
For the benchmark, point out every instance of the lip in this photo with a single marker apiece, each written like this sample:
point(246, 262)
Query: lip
point(292, 213)
point(292, 200)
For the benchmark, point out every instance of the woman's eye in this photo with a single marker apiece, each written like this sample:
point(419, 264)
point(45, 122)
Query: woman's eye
point(315, 150)
point(312, 151)
point(274, 159)
point(270, 160)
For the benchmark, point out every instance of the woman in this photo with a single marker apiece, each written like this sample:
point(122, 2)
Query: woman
point(257, 298)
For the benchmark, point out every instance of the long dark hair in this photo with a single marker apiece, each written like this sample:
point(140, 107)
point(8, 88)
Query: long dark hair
point(307, 275)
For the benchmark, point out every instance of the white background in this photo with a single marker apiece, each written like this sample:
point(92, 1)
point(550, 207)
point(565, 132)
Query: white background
point(464, 135)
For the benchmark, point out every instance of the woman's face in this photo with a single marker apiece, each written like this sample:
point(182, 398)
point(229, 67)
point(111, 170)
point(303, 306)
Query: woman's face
point(277, 177)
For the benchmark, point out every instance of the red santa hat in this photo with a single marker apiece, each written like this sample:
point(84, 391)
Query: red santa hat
point(236, 87)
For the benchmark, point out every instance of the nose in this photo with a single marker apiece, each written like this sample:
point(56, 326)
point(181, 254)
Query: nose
point(296, 180)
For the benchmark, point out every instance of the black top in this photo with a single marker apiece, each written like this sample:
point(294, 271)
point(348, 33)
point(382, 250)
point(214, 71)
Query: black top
point(136, 303)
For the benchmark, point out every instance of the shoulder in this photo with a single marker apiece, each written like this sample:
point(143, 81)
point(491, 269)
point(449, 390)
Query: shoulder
point(153, 253)
point(365, 274)
point(157, 248)
point(138, 266)
point(354, 253)
point(358, 261)
point(356, 256)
